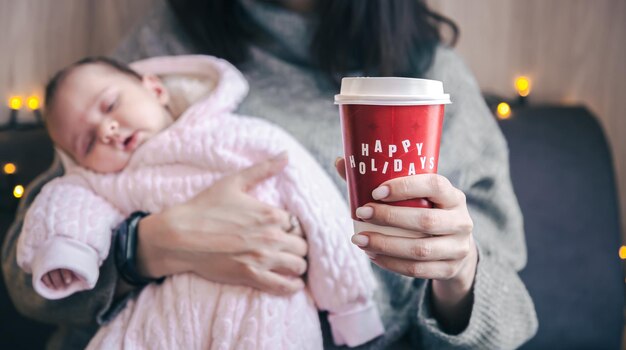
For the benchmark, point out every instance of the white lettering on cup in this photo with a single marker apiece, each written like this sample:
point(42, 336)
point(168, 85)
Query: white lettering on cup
point(406, 144)
point(392, 150)
point(397, 165)
point(412, 168)
point(362, 168)
point(378, 147)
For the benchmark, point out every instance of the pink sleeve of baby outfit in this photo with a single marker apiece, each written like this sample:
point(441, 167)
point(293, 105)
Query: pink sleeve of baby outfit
point(339, 275)
point(68, 227)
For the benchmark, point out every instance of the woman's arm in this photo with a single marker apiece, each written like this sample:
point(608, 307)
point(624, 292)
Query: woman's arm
point(222, 234)
point(473, 297)
point(475, 157)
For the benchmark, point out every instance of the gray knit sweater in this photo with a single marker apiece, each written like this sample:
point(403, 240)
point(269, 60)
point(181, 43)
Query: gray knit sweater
point(290, 93)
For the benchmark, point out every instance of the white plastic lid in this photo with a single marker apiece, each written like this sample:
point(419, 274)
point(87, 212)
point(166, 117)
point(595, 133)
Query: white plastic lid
point(391, 91)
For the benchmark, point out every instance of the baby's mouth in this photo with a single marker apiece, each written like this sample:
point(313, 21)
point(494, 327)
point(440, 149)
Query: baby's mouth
point(130, 143)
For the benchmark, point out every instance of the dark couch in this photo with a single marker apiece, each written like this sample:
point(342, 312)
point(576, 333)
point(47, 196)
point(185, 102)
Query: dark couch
point(563, 175)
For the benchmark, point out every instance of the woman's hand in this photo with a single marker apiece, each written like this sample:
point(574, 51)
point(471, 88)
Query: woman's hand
point(443, 249)
point(225, 235)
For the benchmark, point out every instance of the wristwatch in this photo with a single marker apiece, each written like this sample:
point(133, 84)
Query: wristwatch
point(125, 239)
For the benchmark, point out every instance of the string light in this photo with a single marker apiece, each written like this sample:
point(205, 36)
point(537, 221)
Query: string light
point(622, 252)
point(15, 102)
point(522, 85)
point(503, 110)
point(33, 102)
point(18, 191)
point(9, 168)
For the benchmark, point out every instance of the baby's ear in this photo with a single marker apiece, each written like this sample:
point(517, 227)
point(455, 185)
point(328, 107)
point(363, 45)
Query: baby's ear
point(155, 85)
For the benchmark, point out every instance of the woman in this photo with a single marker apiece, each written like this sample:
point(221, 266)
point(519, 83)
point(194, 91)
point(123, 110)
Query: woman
point(458, 288)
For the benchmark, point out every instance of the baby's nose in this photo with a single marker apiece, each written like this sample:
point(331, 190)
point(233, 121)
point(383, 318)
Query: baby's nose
point(109, 131)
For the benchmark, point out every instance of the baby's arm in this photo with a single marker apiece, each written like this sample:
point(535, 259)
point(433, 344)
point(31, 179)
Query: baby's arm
point(68, 227)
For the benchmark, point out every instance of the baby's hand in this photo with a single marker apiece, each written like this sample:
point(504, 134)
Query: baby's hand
point(58, 279)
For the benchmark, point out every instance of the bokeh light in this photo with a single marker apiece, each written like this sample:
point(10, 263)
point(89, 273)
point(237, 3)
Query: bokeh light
point(622, 252)
point(33, 102)
point(18, 191)
point(15, 102)
point(522, 85)
point(9, 168)
point(503, 110)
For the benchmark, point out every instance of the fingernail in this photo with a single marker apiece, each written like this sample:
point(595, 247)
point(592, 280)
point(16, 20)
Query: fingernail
point(364, 212)
point(380, 192)
point(360, 240)
point(337, 160)
point(370, 254)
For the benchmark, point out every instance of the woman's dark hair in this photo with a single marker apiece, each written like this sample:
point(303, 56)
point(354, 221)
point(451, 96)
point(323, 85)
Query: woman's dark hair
point(378, 37)
point(57, 79)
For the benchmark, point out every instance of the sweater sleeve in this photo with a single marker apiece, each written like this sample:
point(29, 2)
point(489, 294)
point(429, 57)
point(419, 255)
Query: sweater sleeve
point(159, 33)
point(475, 155)
point(68, 227)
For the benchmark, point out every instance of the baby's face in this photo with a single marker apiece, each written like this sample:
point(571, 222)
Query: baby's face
point(101, 116)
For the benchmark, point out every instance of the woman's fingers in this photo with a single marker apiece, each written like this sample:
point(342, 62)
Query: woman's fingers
point(437, 270)
point(255, 174)
point(423, 220)
point(450, 247)
point(236, 238)
point(340, 165)
point(275, 283)
point(293, 226)
point(295, 245)
point(434, 187)
point(271, 239)
point(265, 214)
point(287, 264)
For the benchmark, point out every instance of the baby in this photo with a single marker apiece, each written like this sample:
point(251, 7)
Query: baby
point(129, 143)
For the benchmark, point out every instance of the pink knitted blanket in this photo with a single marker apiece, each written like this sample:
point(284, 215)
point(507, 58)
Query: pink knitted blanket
point(69, 226)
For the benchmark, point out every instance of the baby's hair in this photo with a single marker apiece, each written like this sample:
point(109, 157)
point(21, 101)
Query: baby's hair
point(57, 79)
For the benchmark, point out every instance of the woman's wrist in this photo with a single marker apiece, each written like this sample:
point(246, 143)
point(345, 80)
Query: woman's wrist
point(155, 258)
point(453, 299)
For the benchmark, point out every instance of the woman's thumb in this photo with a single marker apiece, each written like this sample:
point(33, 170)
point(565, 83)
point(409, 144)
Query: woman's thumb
point(255, 174)
point(340, 165)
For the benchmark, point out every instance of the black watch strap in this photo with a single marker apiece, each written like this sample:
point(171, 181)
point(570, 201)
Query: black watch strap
point(126, 251)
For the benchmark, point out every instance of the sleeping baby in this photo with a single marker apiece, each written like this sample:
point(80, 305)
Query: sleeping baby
point(154, 135)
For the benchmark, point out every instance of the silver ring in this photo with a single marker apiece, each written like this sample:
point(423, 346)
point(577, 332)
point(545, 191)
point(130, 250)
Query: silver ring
point(293, 223)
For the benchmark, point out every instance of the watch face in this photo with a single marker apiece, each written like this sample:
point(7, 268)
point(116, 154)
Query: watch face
point(126, 248)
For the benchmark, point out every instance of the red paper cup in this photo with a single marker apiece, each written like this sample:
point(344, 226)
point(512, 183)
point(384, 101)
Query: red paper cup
point(391, 128)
